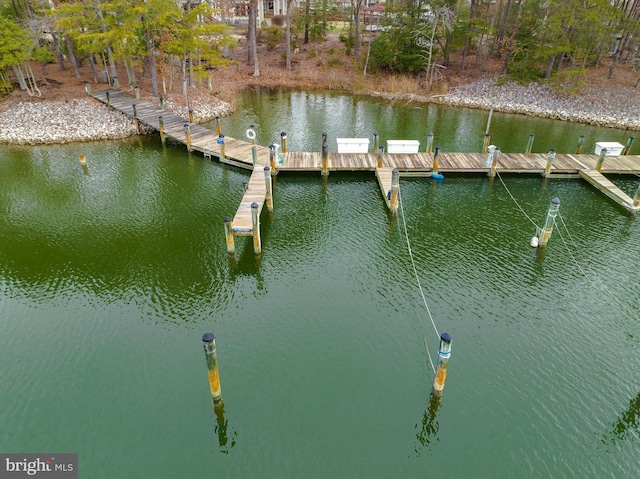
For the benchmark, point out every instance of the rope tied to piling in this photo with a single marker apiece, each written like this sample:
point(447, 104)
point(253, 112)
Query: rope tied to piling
point(415, 272)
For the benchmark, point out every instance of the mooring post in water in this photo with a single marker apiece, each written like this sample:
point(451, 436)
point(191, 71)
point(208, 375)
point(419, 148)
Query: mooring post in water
point(269, 185)
point(220, 142)
point(550, 221)
point(251, 135)
point(272, 158)
point(209, 343)
point(245, 185)
point(485, 146)
point(530, 143)
point(87, 88)
point(255, 221)
point(580, 142)
point(636, 198)
point(436, 153)
point(629, 143)
point(380, 153)
point(325, 160)
point(603, 153)
point(187, 136)
point(283, 141)
point(190, 116)
point(228, 234)
point(395, 186)
point(161, 128)
point(376, 141)
point(135, 117)
point(550, 157)
point(444, 352)
point(429, 143)
point(218, 127)
point(137, 89)
point(83, 160)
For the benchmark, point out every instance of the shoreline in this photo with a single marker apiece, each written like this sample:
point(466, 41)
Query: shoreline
point(83, 119)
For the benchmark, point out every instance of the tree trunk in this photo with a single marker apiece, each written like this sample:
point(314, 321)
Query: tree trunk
point(19, 76)
point(550, 63)
point(251, 32)
point(59, 55)
point(356, 34)
point(94, 70)
point(307, 12)
point(152, 63)
point(288, 35)
point(72, 57)
point(253, 46)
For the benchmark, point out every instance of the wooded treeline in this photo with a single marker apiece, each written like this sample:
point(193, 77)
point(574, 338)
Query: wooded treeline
point(532, 39)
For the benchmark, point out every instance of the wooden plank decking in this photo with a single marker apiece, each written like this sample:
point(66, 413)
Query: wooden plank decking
point(239, 153)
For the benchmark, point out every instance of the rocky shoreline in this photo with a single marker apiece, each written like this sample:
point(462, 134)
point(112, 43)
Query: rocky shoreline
point(42, 122)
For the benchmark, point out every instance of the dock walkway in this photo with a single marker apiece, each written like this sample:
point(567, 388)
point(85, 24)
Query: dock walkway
point(239, 153)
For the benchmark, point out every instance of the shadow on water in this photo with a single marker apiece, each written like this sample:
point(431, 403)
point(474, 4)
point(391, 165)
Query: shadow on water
point(221, 429)
point(628, 424)
point(428, 433)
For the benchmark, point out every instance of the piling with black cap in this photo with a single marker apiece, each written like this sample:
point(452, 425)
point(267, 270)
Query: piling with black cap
point(429, 143)
point(545, 234)
point(209, 343)
point(550, 157)
point(435, 160)
point(268, 199)
point(580, 142)
point(228, 234)
point(603, 153)
point(283, 141)
point(395, 186)
point(376, 141)
point(444, 353)
point(380, 153)
point(625, 151)
point(218, 127)
point(530, 143)
point(255, 222)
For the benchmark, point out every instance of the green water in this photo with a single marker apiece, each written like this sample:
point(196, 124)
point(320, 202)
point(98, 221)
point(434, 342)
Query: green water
point(108, 281)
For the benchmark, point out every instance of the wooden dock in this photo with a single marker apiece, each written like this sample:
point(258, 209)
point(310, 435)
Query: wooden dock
point(239, 153)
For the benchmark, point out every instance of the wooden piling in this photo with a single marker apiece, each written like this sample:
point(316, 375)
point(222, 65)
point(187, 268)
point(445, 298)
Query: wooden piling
point(116, 83)
point(228, 233)
point(376, 141)
point(325, 160)
point(444, 353)
point(436, 152)
point(135, 117)
point(209, 343)
point(485, 145)
point(255, 221)
point(530, 143)
point(545, 234)
point(245, 185)
point(218, 127)
point(108, 94)
point(283, 141)
point(272, 158)
point(161, 128)
point(187, 135)
point(220, 142)
point(269, 186)
point(494, 163)
point(550, 157)
point(137, 89)
point(625, 151)
point(580, 142)
point(380, 153)
point(190, 116)
point(636, 198)
point(162, 103)
point(429, 143)
point(395, 186)
point(603, 153)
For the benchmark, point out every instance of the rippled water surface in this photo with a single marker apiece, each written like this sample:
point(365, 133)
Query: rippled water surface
point(108, 281)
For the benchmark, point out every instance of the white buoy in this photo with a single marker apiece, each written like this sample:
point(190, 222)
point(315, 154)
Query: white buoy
point(534, 241)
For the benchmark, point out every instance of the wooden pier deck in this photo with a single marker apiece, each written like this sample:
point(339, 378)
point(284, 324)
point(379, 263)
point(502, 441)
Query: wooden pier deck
point(239, 153)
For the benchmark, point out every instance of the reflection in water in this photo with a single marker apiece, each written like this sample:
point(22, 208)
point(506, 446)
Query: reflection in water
point(221, 428)
point(628, 423)
point(428, 433)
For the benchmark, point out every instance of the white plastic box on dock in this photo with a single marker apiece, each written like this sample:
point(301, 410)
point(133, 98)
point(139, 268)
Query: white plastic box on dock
point(353, 145)
point(613, 148)
point(403, 146)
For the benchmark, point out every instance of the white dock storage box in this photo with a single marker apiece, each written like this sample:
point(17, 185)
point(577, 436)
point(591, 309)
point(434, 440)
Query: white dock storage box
point(613, 148)
point(353, 145)
point(403, 146)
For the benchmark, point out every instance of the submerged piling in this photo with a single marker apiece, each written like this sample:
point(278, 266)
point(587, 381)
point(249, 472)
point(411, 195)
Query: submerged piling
point(228, 233)
point(636, 198)
point(209, 343)
point(444, 352)
point(545, 234)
